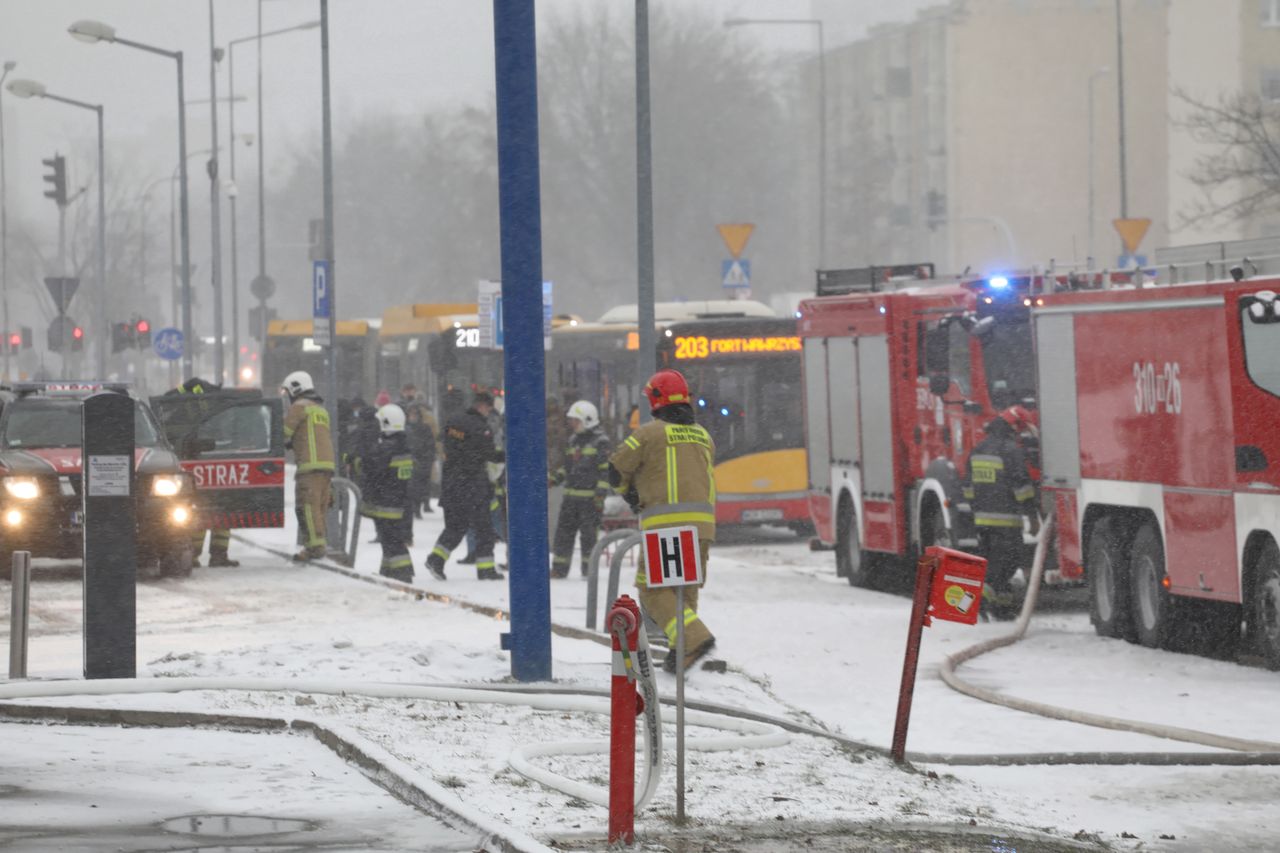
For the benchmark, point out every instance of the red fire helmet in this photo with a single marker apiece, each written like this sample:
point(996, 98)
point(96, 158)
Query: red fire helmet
point(665, 388)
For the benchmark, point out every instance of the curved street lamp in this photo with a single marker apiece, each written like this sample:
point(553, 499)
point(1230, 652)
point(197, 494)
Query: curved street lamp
point(33, 89)
point(96, 31)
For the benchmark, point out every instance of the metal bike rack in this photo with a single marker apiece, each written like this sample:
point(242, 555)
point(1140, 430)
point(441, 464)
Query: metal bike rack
point(343, 521)
point(618, 538)
point(20, 594)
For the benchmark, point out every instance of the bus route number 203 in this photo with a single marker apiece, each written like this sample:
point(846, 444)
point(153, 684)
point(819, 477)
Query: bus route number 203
point(692, 346)
point(1156, 389)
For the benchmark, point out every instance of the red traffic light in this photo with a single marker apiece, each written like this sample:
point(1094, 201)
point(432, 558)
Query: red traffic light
point(77, 333)
point(143, 327)
point(15, 339)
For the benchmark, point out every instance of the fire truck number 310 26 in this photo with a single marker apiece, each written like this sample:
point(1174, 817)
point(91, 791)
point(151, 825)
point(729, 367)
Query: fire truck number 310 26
point(1154, 390)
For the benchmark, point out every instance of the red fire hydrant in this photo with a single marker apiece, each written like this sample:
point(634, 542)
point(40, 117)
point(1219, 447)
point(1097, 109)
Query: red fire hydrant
point(626, 705)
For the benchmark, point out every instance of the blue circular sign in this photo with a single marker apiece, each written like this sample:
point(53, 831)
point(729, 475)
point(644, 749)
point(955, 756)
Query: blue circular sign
point(167, 343)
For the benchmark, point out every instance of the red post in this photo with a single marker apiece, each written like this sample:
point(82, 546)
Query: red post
point(919, 618)
point(624, 625)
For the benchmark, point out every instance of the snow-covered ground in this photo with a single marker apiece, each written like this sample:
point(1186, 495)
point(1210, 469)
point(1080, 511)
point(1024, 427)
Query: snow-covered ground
point(799, 643)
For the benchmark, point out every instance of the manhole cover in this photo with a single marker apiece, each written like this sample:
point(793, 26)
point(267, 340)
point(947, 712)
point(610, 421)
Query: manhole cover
point(234, 825)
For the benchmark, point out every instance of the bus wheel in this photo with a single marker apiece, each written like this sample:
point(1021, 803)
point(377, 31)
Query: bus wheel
point(1152, 605)
point(1265, 606)
point(1106, 573)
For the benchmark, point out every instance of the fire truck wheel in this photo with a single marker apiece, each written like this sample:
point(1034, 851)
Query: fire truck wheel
point(1106, 572)
point(1152, 604)
point(176, 562)
point(851, 561)
point(1265, 606)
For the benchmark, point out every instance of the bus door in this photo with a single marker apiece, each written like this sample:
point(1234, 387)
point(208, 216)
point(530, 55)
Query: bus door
point(232, 444)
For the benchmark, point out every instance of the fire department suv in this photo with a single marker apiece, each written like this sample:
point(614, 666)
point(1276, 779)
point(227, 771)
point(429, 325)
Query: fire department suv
point(901, 372)
point(1160, 414)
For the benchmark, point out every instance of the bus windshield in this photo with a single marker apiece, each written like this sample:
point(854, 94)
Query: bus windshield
point(748, 405)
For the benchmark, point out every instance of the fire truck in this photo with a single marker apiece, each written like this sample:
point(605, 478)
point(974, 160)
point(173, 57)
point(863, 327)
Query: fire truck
point(1160, 408)
point(901, 372)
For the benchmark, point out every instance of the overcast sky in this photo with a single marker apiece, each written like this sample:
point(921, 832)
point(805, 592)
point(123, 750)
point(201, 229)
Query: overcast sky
point(387, 55)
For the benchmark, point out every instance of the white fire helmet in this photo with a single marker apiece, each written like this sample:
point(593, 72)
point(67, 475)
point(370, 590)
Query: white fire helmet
point(391, 419)
point(585, 412)
point(297, 383)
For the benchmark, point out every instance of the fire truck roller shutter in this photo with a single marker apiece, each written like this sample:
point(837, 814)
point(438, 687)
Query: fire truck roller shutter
point(1059, 418)
point(817, 414)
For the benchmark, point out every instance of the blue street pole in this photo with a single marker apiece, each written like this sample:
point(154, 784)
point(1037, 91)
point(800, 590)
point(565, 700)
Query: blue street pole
point(519, 208)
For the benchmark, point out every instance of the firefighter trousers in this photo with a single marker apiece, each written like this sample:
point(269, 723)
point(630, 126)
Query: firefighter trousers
point(1003, 549)
point(396, 562)
point(219, 541)
point(660, 604)
point(578, 518)
point(459, 517)
point(310, 504)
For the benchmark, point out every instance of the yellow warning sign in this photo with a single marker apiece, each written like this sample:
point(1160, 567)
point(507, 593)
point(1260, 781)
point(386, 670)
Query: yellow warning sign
point(735, 236)
point(1131, 232)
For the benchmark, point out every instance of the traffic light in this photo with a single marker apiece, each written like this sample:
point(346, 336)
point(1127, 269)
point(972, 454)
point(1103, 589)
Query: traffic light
point(77, 339)
point(142, 334)
point(15, 341)
point(56, 179)
point(121, 336)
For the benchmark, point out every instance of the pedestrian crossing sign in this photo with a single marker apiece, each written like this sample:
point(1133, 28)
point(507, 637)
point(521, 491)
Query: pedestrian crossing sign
point(672, 557)
point(735, 273)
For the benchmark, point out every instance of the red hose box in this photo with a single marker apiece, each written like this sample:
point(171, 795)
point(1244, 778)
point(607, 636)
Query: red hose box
point(956, 592)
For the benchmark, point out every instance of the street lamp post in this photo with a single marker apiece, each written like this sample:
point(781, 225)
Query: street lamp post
point(1092, 77)
point(93, 32)
point(215, 207)
point(822, 118)
point(4, 223)
point(32, 89)
point(233, 192)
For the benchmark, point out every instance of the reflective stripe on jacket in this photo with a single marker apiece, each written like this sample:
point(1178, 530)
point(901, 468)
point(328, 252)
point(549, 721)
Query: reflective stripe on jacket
point(999, 486)
point(671, 467)
point(306, 430)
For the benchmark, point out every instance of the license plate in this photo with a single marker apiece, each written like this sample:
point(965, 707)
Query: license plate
point(762, 515)
point(77, 518)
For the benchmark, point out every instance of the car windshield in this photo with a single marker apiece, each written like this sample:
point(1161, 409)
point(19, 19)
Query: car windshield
point(56, 423)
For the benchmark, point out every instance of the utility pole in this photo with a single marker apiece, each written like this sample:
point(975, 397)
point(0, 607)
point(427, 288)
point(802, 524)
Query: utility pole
point(1124, 185)
point(215, 205)
point(327, 154)
point(647, 359)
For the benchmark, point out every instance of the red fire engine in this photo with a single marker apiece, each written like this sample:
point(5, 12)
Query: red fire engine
point(1160, 413)
point(901, 372)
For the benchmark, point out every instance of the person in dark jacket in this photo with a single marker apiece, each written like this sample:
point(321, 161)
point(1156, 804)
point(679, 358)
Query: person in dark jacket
point(585, 477)
point(387, 471)
point(421, 434)
point(465, 488)
point(1002, 495)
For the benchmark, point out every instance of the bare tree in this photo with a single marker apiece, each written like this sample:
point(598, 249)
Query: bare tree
point(1240, 179)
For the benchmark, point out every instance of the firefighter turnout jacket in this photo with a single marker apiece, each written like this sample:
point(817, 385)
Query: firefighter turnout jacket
point(999, 487)
point(386, 472)
point(667, 471)
point(585, 472)
point(468, 448)
point(306, 431)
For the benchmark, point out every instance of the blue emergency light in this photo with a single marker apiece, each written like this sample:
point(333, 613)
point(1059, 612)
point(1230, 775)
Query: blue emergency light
point(998, 282)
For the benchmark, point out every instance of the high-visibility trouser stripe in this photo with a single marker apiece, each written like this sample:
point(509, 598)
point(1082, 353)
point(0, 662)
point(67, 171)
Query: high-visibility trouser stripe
point(968, 493)
point(632, 442)
point(493, 505)
point(589, 451)
point(602, 486)
point(561, 561)
point(673, 482)
point(373, 511)
point(982, 460)
point(485, 563)
point(580, 493)
point(996, 519)
point(401, 461)
point(288, 433)
point(439, 551)
point(1025, 493)
point(669, 515)
point(642, 577)
point(314, 539)
point(308, 467)
point(670, 630)
point(401, 562)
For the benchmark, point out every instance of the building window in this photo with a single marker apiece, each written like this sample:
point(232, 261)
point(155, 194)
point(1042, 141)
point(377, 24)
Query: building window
point(1269, 12)
point(1270, 85)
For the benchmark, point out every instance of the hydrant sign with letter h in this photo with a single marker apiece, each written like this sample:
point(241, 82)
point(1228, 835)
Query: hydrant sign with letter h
point(672, 557)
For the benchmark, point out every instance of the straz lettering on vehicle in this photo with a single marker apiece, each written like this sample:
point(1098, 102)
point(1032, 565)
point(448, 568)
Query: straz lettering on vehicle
point(236, 475)
point(681, 434)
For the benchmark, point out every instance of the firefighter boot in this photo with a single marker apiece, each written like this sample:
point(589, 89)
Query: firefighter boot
point(690, 657)
point(435, 562)
point(486, 571)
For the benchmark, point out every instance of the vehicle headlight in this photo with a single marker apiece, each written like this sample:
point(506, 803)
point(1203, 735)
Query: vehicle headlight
point(22, 488)
point(166, 486)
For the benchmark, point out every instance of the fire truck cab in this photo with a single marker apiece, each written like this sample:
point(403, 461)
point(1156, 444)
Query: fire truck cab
point(1159, 412)
point(901, 373)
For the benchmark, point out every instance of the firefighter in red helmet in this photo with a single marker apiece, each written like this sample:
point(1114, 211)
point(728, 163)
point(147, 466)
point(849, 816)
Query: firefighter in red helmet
point(665, 470)
point(1002, 492)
